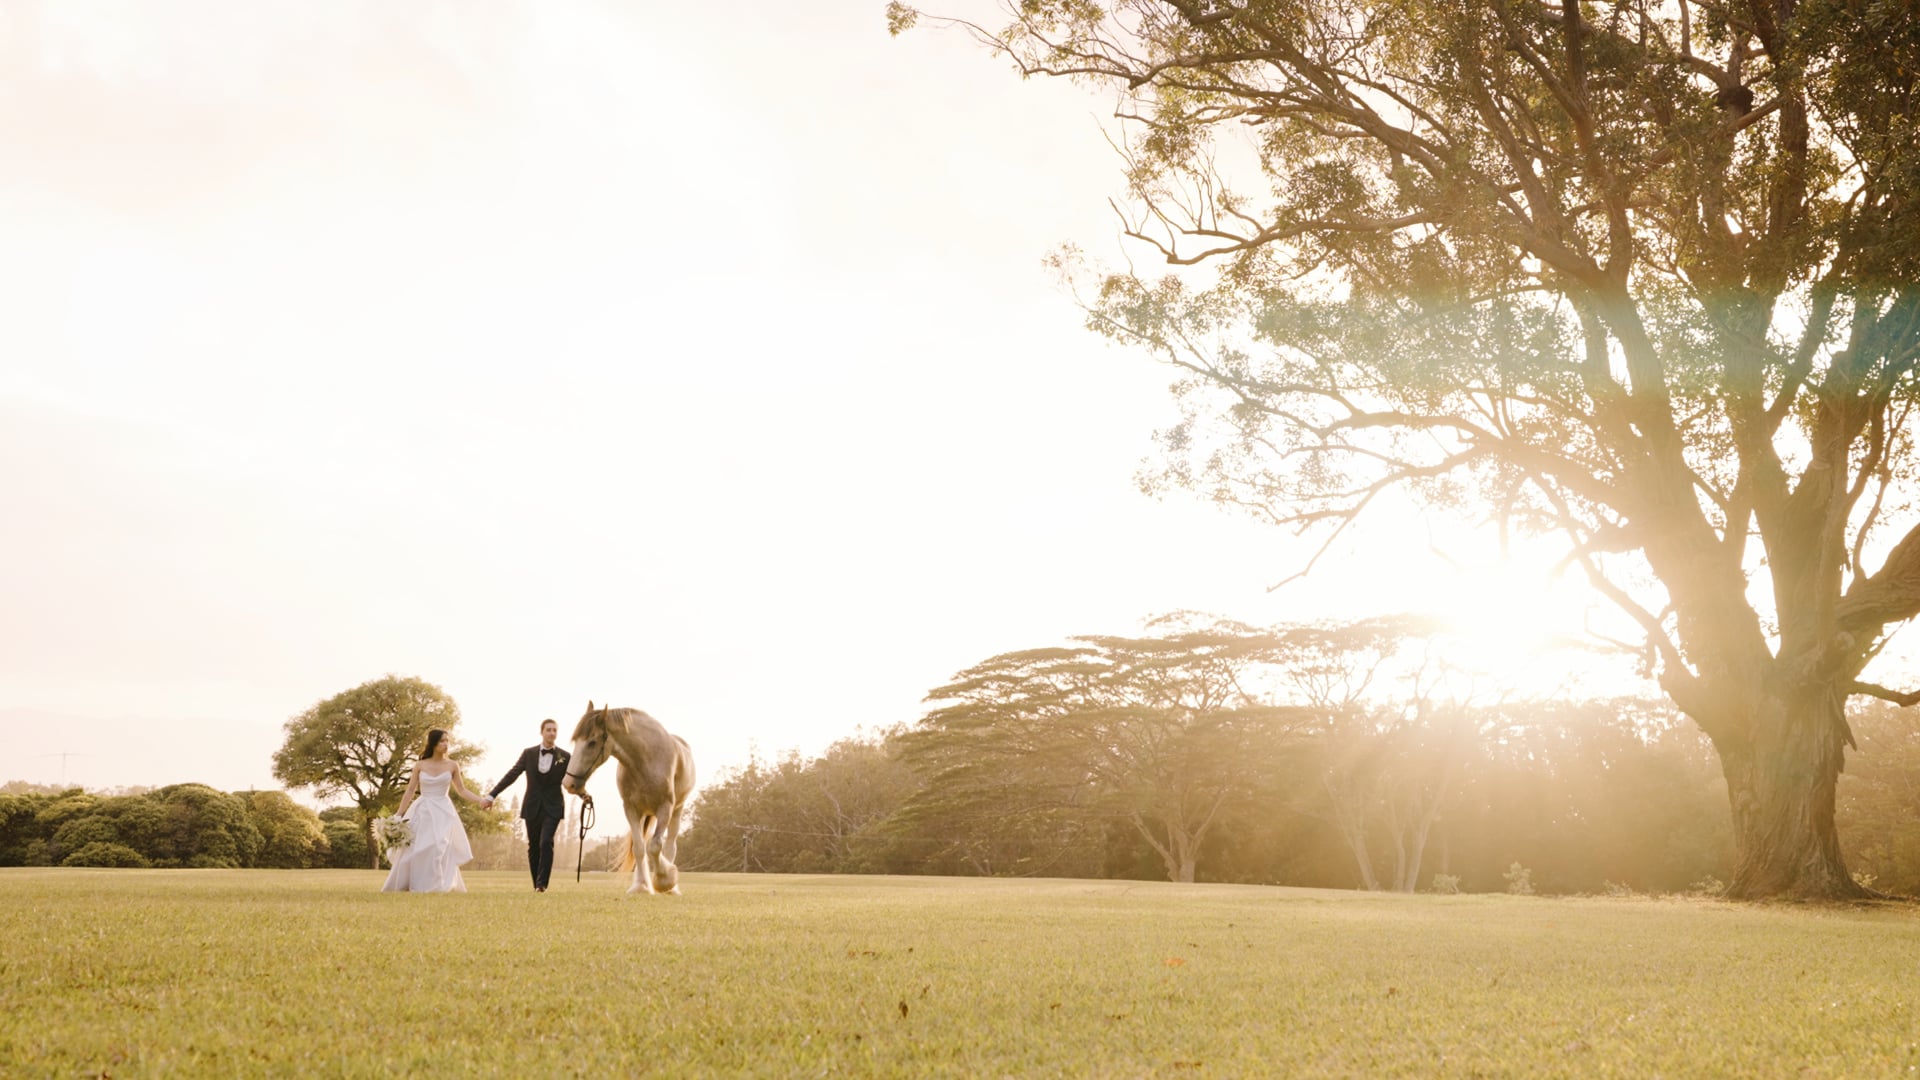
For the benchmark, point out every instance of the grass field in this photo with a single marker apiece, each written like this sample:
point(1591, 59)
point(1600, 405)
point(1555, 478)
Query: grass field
point(316, 973)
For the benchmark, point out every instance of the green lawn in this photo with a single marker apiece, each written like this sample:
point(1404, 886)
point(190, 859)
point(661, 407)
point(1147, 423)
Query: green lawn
point(316, 973)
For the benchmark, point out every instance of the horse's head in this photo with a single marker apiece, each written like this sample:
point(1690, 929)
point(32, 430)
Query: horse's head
point(591, 745)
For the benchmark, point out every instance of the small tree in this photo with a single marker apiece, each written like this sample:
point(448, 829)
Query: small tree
point(362, 743)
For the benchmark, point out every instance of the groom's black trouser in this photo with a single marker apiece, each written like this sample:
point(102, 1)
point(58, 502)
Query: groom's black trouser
point(540, 832)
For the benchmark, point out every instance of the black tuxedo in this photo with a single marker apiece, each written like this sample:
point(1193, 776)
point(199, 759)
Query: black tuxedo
point(544, 807)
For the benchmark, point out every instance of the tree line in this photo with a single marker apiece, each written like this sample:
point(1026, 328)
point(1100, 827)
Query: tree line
point(1308, 756)
point(359, 745)
point(196, 826)
point(180, 825)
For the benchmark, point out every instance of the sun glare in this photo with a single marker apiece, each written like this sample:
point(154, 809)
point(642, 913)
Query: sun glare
point(1517, 625)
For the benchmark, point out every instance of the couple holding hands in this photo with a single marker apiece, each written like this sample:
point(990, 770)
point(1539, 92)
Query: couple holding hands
point(431, 859)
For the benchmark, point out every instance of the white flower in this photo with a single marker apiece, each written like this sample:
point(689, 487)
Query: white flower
point(394, 832)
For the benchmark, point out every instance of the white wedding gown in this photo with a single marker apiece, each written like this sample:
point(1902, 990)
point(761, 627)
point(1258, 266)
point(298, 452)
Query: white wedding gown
point(431, 863)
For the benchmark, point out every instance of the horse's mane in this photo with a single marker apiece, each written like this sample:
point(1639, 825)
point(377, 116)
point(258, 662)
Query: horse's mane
point(592, 718)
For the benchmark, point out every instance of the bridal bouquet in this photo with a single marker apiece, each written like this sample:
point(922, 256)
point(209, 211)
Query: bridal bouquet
point(394, 831)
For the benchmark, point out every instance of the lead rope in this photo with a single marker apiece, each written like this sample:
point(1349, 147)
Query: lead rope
point(586, 822)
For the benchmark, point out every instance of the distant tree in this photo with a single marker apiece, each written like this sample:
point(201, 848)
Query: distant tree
point(54, 813)
point(1588, 793)
point(362, 743)
point(79, 832)
point(348, 841)
point(291, 835)
point(140, 820)
point(1388, 736)
point(1641, 277)
point(203, 828)
point(28, 787)
point(824, 814)
point(105, 853)
point(19, 826)
point(1387, 774)
point(1879, 802)
point(1161, 732)
point(496, 820)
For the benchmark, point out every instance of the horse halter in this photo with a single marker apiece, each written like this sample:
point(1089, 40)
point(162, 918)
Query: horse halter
point(582, 780)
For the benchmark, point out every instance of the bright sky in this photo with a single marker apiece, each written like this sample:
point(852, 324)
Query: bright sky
point(697, 358)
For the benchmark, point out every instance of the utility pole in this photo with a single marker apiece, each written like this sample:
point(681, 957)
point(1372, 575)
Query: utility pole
point(63, 763)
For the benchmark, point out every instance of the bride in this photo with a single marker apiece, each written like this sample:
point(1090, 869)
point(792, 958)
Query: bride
point(431, 861)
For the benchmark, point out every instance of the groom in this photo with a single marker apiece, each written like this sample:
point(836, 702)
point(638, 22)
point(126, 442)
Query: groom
point(544, 807)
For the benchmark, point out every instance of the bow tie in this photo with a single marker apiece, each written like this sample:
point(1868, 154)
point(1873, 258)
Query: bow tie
point(544, 750)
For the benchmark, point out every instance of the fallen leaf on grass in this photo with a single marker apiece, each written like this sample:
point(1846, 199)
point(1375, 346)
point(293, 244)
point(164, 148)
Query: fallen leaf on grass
point(903, 1008)
point(1176, 961)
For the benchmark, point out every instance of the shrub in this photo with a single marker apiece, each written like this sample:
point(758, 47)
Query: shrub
point(1446, 884)
point(1707, 886)
point(103, 853)
point(1519, 880)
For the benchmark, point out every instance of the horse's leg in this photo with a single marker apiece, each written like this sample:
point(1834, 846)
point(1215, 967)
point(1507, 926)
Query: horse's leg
point(666, 875)
point(637, 828)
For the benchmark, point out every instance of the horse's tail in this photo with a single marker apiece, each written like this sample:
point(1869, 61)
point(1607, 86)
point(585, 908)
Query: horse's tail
point(627, 861)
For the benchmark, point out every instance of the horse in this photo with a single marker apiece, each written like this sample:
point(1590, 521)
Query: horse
point(655, 778)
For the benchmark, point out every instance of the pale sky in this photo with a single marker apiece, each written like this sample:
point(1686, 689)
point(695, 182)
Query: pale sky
point(697, 358)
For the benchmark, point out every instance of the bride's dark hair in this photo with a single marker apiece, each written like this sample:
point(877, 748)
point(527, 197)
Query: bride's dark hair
point(433, 741)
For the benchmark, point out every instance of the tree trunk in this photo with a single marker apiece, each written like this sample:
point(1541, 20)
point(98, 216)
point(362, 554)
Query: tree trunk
point(1781, 773)
point(1362, 858)
point(1410, 881)
point(1178, 853)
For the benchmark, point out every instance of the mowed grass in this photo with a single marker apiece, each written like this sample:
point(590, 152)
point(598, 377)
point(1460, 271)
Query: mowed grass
point(316, 973)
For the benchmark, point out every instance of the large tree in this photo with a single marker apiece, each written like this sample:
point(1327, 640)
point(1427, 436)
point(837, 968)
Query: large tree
point(1160, 732)
point(1643, 276)
point(362, 743)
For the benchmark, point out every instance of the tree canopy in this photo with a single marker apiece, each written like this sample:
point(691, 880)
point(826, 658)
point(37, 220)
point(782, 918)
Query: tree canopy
point(1642, 276)
point(361, 743)
point(1161, 732)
